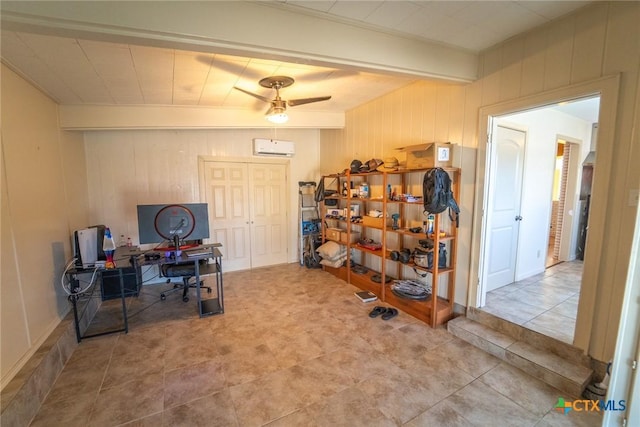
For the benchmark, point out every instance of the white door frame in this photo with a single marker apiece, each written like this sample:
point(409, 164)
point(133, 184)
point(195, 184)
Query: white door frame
point(625, 380)
point(202, 160)
point(489, 196)
point(570, 215)
point(607, 88)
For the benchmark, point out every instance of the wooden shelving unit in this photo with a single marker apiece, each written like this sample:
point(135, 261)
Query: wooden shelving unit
point(433, 311)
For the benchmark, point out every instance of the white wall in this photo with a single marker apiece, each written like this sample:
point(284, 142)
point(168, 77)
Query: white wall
point(543, 128)
point(43, 198)
point(131, 167)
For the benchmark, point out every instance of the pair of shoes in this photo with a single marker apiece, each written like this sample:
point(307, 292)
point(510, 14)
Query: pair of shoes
point(387, 313)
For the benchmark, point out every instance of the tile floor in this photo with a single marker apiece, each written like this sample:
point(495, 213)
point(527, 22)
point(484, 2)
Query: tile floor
point(293, 348)
point(546, 303)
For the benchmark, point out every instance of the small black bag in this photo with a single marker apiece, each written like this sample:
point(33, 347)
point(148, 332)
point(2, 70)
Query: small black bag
point(442, 257)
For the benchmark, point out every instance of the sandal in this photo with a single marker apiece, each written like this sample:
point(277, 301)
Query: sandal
point(377, 311)
point(389, 313)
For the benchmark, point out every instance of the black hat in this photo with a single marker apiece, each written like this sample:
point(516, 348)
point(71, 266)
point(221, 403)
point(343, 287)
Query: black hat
point(355, 166)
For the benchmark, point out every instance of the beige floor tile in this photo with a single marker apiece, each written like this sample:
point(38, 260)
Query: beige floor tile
point(397, 395)
point(481, 405)
point(466, 357)
point(248, 364)
point(70, 412)
point(153, 420)
point(569, 308)
point(128, 401)
point(571, 419)
point(528, 392)
point(267, 398)
point(293, 348)
point(185, 384)
point(515, 311)
point(350, 407)
point(553, 325)
point(556, 291)
point(214, 410)
point(440, 415)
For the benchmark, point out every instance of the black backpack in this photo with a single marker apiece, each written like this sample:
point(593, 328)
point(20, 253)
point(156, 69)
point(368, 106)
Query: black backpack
point(437, 194)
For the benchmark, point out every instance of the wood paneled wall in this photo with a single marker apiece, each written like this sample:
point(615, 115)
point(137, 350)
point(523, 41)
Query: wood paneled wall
point(421, 112)
point(599, 40)
point(131, 167)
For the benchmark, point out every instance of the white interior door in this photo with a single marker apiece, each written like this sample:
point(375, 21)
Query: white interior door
point(227, 195)
point(268, 214)
point(248, 212)
point(507, 165)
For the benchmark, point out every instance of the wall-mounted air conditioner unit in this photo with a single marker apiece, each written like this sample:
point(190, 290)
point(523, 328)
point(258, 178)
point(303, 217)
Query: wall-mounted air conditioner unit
point(273, 147)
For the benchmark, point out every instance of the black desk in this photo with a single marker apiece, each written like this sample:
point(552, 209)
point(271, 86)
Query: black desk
point(124, 261)
point(125, 258)
point(206, 307)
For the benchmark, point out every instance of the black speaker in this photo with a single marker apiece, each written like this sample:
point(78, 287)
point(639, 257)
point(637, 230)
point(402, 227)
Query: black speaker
point(111, 283)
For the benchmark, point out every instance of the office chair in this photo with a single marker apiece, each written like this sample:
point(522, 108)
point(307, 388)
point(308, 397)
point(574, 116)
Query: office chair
point(185, 270)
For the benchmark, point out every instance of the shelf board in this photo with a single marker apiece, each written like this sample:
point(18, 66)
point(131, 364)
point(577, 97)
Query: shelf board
point(430, 270)
point(340, 272)
point(369, 251)
point(406, 231)
point(364, 282)
point(421, 309)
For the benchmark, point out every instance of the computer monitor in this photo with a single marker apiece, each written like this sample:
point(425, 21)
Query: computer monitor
point(173, 223)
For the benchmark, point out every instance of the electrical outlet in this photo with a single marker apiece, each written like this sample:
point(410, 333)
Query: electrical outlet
point(634, 195)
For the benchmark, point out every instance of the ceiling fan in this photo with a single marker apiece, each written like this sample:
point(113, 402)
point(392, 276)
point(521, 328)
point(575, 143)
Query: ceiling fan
point(277, 111)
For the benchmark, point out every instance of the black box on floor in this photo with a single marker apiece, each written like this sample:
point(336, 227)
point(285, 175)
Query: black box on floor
point(111, 283)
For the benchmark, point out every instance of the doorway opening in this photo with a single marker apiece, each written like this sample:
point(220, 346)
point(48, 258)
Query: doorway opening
point(558, 195)
point(535, 280)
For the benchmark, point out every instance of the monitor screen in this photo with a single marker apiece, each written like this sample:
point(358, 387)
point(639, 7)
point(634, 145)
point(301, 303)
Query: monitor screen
point(161, 223)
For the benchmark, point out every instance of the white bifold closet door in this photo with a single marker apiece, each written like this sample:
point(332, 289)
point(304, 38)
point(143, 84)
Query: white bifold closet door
point(248, 212)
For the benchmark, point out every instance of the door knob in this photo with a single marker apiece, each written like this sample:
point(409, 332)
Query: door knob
point(518, 218)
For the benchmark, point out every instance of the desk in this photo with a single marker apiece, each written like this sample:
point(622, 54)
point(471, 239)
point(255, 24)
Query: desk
point(206, 307)
point(124, 260)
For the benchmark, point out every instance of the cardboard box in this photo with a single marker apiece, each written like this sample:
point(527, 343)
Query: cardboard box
point(369, 221)
point(331, 223)
point(333, 234)
point(355, 236)
point(434, 154)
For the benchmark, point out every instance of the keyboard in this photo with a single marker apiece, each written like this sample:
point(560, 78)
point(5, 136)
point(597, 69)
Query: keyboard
point(198, 253)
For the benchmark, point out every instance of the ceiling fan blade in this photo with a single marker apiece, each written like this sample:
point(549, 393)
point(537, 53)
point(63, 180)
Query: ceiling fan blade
point(255, 95)
point(294, 102)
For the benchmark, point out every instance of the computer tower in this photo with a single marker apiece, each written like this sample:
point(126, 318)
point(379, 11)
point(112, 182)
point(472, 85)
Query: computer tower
point(111, 283)
point(87, 246)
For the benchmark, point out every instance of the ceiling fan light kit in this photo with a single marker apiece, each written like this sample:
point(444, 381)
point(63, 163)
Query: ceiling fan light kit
point(277, 116)
point(277, 111)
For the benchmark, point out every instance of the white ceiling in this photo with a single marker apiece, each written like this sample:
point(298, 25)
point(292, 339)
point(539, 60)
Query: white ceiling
point(474, 25)
point(77, 71)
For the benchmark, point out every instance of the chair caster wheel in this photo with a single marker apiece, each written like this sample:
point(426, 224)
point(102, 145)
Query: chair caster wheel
point(185, 299)
point(163, 297)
